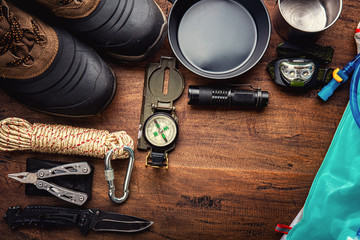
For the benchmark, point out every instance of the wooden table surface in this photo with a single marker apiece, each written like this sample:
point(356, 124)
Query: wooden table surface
point(234, 174)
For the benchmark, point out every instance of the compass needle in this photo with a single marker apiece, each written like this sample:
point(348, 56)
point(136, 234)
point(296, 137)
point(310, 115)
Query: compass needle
point(160, 126)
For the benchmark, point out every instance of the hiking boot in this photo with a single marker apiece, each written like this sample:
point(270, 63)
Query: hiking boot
point(129, 30)
point(48, 70)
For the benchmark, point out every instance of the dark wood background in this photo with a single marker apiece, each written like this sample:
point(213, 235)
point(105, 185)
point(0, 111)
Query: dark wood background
point(234, 174)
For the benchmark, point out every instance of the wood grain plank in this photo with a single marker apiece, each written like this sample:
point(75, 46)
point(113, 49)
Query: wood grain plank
point(235, 174)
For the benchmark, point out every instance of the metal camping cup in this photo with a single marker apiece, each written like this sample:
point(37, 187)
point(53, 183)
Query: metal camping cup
point(305, 19)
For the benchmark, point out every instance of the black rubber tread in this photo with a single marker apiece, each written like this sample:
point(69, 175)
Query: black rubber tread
point(127, 28)
point(78, 82)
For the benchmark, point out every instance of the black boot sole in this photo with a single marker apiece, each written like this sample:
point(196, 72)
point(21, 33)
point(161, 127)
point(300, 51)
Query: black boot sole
point(151, 50)
point(127, 30)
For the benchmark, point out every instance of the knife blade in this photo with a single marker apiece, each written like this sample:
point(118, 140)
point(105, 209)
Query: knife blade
point(108, 221)
point(86, 220)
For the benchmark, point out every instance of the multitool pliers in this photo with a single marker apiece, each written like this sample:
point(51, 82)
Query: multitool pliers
point(81, 168)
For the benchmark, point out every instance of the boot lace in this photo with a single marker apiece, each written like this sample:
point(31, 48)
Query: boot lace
point(64, 2)
point(17, 40)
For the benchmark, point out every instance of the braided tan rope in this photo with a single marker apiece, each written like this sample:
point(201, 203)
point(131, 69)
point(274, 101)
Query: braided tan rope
point(19, 134)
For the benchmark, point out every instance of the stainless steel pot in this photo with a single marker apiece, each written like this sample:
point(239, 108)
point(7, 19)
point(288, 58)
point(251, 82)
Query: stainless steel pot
point(219, 39)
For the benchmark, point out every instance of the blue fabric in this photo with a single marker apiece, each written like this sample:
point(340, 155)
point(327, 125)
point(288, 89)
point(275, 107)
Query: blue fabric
point(333, 203)
point(354, 95)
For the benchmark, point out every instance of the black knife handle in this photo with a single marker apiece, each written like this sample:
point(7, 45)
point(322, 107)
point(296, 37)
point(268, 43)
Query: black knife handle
point(45, 216)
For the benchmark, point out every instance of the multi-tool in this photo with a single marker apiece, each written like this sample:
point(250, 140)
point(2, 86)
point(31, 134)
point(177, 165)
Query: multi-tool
point(81, 168)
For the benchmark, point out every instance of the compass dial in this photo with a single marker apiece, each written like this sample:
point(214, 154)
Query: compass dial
point(160, 130)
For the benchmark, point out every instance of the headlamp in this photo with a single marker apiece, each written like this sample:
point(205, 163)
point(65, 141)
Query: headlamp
point(298, 72)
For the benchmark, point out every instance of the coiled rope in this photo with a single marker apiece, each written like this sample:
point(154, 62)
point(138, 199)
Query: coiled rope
point(19, 134)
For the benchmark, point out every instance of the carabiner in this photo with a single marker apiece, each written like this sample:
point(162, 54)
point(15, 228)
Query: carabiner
point(109, 175)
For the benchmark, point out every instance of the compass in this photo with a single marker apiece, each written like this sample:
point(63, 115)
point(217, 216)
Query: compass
point(160, 130)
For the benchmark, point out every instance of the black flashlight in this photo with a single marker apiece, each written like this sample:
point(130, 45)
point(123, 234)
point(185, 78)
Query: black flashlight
point(201, 95)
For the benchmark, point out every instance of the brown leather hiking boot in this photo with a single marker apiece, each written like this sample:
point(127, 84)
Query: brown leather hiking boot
point(48, 70)
point(129, 30)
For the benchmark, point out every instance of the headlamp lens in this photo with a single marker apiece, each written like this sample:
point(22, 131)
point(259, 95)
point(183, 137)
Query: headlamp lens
point(297, 70)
